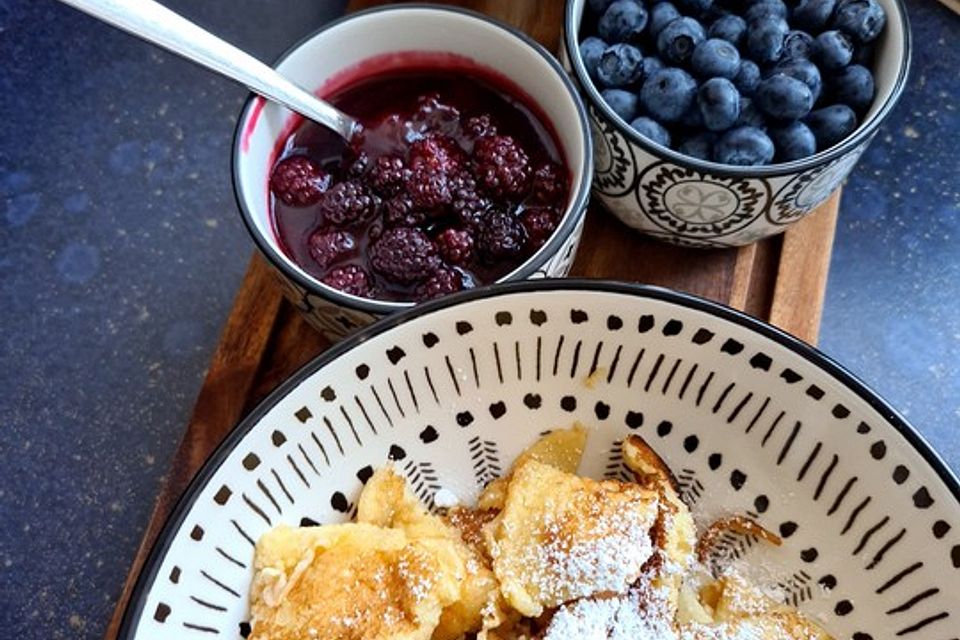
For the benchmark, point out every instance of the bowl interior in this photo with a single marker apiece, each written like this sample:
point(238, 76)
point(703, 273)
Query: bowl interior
point(890, 67)
point(751, 422)
point(324, 59)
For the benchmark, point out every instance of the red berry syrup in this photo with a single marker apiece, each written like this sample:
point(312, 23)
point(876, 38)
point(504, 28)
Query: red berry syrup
point(453, 183)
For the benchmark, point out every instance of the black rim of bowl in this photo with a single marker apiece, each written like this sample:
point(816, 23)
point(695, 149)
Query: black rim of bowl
point(892, 417)
point(862, 134)
point(576, 209)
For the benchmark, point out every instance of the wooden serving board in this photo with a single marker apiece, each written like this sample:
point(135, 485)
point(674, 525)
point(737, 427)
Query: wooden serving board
point(781, 280)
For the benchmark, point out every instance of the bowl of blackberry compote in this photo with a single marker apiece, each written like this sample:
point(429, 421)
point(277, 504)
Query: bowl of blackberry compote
point(472, 165)
point(720, 122)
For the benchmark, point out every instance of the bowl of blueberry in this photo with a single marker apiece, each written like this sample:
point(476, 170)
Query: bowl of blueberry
point(720, 122)
point(473, 165)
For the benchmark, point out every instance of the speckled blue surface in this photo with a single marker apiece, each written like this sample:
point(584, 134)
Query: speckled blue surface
point(120, 252)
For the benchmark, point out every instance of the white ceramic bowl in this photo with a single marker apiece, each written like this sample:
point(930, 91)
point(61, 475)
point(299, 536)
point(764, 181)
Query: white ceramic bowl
point(321, 60)
point(696, 203)
point(751, 421)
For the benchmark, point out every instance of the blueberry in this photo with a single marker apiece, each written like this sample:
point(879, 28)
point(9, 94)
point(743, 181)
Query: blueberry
point(668, 93)
point(678, 39)
point(719, 103)
point(651, 64)
point(834, 50)
point(804, 71)
point(793, 141)
point(695, 7)
point(750, 115)
point(853, 86)
point(798, 45)
point(590, 50)
point(692, 119)
point(743, 146)
point(623, 103)
point(748, 77)
point(765, 39)
point(661, 14)
point(812, 15)
point(715, 58)
point(765, 9)
point(731, 28)
point(651, 129)
point(623, 20)
point(620, 65)
point(831, 124)
point(599, 6)
point(699, 145)
point(784, 98)
point(862, 19)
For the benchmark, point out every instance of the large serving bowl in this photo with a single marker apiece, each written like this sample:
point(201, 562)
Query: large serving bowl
point(683, 200)
point(750, 420)
point(374, 38)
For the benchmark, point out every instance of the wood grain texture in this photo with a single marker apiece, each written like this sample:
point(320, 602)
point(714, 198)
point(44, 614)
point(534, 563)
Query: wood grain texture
point(781, 279)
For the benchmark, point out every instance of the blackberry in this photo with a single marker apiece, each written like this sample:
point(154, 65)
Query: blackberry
point(298, 181)
point(468, 204)
point(455, 246)
point(539, 223)
point(440, 283)
point(501, 236)
point(326, 247)
point(428, 189)
point(481, 126)
point(400, 212)
point(348, 202)
point(433, 115)
point(356, 164)
point(549, 183)
point(404, 255)
point(437, 154)
point(350, 279)
point(387, 175)
point(502, 166)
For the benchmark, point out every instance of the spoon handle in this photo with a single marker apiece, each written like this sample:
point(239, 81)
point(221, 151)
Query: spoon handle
point(155, 23)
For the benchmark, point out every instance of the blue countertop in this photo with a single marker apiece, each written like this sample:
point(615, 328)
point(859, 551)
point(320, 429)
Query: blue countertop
point(120, 252)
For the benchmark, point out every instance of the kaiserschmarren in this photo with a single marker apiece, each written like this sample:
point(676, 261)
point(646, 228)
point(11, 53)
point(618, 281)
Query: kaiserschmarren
point(545, 555)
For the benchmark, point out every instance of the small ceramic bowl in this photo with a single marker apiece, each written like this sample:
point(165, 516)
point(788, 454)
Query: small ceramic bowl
point(696, 203)
point(376, 39)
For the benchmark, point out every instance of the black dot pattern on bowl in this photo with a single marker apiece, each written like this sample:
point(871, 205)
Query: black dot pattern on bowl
point(878, 449)
point(222, 495)
point(175, 575)
point(538, 317)
point(532, 400)
point(430, 340)
point(634, 419)
point(196, 533)
point(308, 522)
point(245, 629)
point(645, 324)
point(498, 409)
point(365, 474)
point(463, 327)
point(955, 556)
point(277, 438)
point(900, 474)
point(815, 392)
point(714, 461)
point(702, 336)
point(844, 607)
point(395, 354)
point(614, 323)
point(503, 318)
point(690, 443)
point(922, 498)
point(672, 328)
point(162, 612)
point(251, 461)
point(761, 361)
point(732, 347)
point(396, 452)
point(601, 410)
point(788, 528)
point(790, 376)
point(664, 428)
point(860, 635)
point(828, 581)
point(840, 412)
point(737, 479)
point(362, 371)
point(761, 503)
point(428, 435)
point(568, 403)
point(339, 502)
point(303, 414)
point(940, 529)
point(578, 316)
point(464, 418)
point(809, 555)
point(328, 394)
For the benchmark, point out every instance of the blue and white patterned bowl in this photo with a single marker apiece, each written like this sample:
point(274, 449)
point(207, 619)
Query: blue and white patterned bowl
point(695, 203)
point(340, 47)
point(751, 420)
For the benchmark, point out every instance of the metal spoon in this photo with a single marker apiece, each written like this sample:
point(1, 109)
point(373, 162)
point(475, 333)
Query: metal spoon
point(155, 23)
